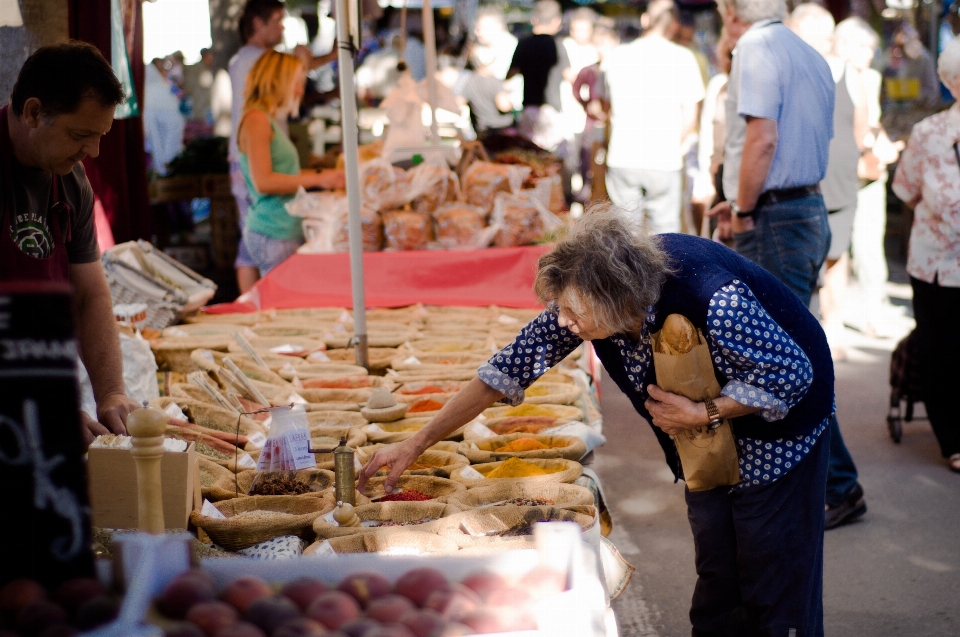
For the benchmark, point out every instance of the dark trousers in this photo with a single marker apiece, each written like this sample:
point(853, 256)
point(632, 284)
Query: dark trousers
point(935, 307)
point(759, 554)
point(842, 472)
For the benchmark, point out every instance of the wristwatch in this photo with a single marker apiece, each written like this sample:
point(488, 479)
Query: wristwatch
point(736, 212)
point(713, 414)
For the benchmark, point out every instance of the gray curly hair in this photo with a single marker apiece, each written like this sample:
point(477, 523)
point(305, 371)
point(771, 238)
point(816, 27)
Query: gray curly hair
point(608, 266)
point(751, 11)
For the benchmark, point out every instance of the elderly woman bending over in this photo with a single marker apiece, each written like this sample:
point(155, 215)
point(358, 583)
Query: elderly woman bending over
point(759, 545)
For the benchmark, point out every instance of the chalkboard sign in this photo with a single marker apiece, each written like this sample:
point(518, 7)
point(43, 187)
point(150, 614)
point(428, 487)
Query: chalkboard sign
point(45, 533)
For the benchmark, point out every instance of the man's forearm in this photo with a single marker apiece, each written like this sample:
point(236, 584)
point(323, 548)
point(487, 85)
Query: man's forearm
point(98, 338)
point(759, 147)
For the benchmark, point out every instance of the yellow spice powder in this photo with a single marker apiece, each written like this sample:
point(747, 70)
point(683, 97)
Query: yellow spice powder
point(530, 410)
point(523, 444)
point(517, 468)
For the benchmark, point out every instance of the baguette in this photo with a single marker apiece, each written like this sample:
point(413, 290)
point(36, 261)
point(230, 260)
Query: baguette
point(678, 335)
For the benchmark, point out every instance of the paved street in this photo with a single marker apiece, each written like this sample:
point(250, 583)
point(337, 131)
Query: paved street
point(896, 572)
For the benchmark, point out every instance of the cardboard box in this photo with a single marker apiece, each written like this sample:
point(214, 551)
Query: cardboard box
point(113, 487)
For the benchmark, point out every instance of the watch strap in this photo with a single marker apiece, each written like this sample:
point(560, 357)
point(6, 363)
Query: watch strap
point(713, 413)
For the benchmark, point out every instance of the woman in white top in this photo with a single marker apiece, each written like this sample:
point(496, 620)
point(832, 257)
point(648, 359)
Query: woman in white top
point(928, 180)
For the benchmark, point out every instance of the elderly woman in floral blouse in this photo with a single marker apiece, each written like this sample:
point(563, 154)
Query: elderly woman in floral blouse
point(928, 180)
point(760, 543)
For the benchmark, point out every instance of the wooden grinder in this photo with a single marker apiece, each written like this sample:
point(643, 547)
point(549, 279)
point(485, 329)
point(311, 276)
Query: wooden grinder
point(147, 427)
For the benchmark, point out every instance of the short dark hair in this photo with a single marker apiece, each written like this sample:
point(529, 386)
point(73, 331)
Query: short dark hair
point(262, 9)
point(63, 75)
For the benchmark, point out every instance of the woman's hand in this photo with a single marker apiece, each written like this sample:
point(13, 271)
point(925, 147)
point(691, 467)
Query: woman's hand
point(398, 457)
point(674, 414)
point(328, 180)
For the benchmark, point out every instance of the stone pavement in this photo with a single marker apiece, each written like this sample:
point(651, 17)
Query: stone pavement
point(895, 572)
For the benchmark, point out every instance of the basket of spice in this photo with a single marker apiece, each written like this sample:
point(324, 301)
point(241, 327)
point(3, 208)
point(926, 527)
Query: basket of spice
point(527, 409)
point(288, 346)
point(513, 425)
point(210, 361)
point(398, 542)
point(217, 482)
point(522, 493)
point(304, 482)
point(328, 437)
point(426, 406)
point(533, 470)
point(542, 392)
point(431, 361)
point(384, 517)
point(336, 395)
point(335, 417)
point(173, 354)
point(477, 526)
point(335, 376)
point(433, 373)
point(257, 519)
point(400, 430)
point(524, 446)
point(212, 417)
point(378, 357)
point(414, 489)
point(428, 388)
point(429, 463)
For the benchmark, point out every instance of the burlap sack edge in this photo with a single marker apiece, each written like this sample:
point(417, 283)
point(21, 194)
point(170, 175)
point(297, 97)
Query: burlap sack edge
point(211, 416)
point(450, 526)
point(562, 411)
point(335, 417)
point(574, 449)
point(374, 542)
point(440, 488)
point(393, 511)
point(469, 434)
point(557, 395)
point(561, 493)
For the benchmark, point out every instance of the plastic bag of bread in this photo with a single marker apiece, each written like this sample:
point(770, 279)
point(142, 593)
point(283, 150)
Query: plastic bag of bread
point(406, 230)
point(371, 227)
point(383, 185)
point(461, 227)
point(433, 184)
point(520, 220)
point(365, 153)
point(323, 213)
point(483, 180)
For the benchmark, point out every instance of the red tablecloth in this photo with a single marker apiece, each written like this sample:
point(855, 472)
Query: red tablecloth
point(495, 276)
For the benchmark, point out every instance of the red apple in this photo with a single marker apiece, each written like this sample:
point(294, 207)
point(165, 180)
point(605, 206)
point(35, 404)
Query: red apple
point(245, 590)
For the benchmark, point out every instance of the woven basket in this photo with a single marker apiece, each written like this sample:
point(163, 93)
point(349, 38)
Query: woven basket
point(556, 411)
point(387, 512)
point(335, 418)
point(211, 416)
point(558, 494)
point(399, 542)
point(439, 488)
point(488, 522)
point(235, 534)
point(516, 424)
point(486, 450)
point(567, 471)
point(173, 354)
point(553, 394)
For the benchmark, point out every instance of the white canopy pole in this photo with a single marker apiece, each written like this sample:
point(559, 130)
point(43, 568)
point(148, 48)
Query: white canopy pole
point(430, 51)
point(348, 105)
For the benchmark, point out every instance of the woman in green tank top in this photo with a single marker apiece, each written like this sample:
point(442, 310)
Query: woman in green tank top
point(269, 160)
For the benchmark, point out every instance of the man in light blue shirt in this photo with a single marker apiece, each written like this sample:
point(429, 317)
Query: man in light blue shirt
point(779, 126)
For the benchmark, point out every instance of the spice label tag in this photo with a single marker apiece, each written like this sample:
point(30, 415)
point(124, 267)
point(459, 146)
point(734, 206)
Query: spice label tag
point(258, 440)
point(324, 550)
point(210, 511)
point(471, 473)
point(331, 520)
point(299, 445)
point(244, 461)
point(481, 430)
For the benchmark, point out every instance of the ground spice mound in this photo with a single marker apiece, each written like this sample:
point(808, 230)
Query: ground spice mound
point(425, 405)
point(523, 424)
point(530, 410)
point(408, 495)
point(279, 484)
point(207, 450)
point(523, 444)
point(517, 468)
point(526, 502)
point(250, 516)
point(423, 391)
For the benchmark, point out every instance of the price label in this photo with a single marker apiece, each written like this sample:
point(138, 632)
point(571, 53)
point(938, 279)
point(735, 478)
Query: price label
point(299, 445)
point(257, 440)
point(471, 473)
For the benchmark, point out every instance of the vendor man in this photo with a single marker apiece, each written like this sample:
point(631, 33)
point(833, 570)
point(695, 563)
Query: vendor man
point(62, 104)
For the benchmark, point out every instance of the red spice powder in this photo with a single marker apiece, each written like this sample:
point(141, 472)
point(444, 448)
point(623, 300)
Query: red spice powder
point(425, 405)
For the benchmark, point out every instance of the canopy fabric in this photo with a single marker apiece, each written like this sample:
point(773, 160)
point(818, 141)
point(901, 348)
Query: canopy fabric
point(495, 276)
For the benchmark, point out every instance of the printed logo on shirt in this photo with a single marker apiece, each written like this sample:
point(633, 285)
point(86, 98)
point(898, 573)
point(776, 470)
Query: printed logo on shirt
point(32, 235)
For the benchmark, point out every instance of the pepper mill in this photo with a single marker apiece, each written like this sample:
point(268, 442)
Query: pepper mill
point(345, 479)
point(147, 427)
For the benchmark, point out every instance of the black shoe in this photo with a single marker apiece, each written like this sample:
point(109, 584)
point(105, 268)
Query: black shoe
point(852, 507)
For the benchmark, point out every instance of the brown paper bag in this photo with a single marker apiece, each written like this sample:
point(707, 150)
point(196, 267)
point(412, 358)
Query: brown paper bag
point(708, 457)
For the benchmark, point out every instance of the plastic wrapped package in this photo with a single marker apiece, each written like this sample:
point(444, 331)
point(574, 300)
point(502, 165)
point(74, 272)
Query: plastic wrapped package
point(461, 226)
point(406, 230)
point(433, 184)
point(483, 180)
point(372, 230)
point(383, 185)
point(323, 214)
point(520, 220)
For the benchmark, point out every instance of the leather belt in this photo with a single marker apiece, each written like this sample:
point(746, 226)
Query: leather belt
point(770, 197)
